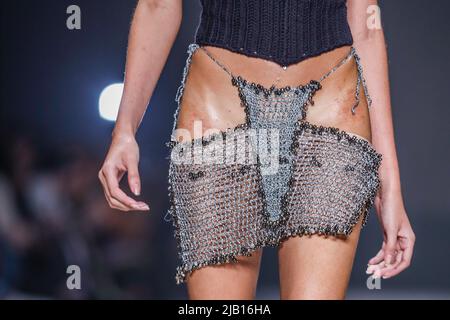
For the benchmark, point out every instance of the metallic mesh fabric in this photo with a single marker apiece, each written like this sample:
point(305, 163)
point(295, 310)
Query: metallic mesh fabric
point(225, 204)
point(276, 109)
point(333, 183)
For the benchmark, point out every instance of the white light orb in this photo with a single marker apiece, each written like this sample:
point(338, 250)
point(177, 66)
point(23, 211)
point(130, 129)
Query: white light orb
point(109, 101)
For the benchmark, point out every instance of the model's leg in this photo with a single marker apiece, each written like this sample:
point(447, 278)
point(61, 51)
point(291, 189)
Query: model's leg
point(316, 267)
point(319, 267)
point(226, 281)
point(211, 101)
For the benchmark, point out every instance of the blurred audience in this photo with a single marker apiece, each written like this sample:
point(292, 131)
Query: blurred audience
point(53, 215)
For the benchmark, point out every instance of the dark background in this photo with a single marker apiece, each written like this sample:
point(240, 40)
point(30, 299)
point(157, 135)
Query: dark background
point(53, 141)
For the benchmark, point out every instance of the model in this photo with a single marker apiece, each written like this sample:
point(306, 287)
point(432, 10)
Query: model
point(276, 141)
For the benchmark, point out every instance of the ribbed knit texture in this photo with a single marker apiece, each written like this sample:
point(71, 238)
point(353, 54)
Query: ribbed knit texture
point(283, 31)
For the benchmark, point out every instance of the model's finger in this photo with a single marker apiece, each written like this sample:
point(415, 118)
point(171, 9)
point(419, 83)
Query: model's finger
point(114, 204)
point(408, 249)
point(133, 177)
point(118, 199)
point(371, 269)
point(388, 272)
point(387, 268)
point(118, 205)
point(378, 271)
point(398, 257)
point(107, 198)
point(406, 261)
point(117, 194)
point(110, 179)
point(120, 196)
point(111, 202)
point(104, 184)
point(390, 251)
point(378, 258)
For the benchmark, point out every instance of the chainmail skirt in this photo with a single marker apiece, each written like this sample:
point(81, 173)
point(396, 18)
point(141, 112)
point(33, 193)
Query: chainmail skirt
point(220, 210)
point(227, 198)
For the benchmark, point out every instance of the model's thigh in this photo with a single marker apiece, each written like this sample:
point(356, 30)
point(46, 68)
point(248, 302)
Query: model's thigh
point(316, 267)
point(319, 267)
point(210, 103)
point(226, 281)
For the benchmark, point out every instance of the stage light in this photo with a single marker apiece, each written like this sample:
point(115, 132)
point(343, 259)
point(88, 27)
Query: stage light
point(109, 101)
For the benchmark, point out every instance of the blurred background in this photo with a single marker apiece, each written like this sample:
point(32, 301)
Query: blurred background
point(53, 140)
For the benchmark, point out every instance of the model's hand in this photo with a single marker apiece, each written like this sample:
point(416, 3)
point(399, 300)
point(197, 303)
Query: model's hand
point(122, 157)
point(397, 249)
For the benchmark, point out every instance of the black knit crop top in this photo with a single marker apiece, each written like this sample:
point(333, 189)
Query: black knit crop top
point(283, 31)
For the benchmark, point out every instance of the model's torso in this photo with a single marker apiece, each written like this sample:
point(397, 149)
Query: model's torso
point(255, 39)
point(210, 99)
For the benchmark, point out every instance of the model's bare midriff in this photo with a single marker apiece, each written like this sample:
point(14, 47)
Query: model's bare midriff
point(211, 102)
